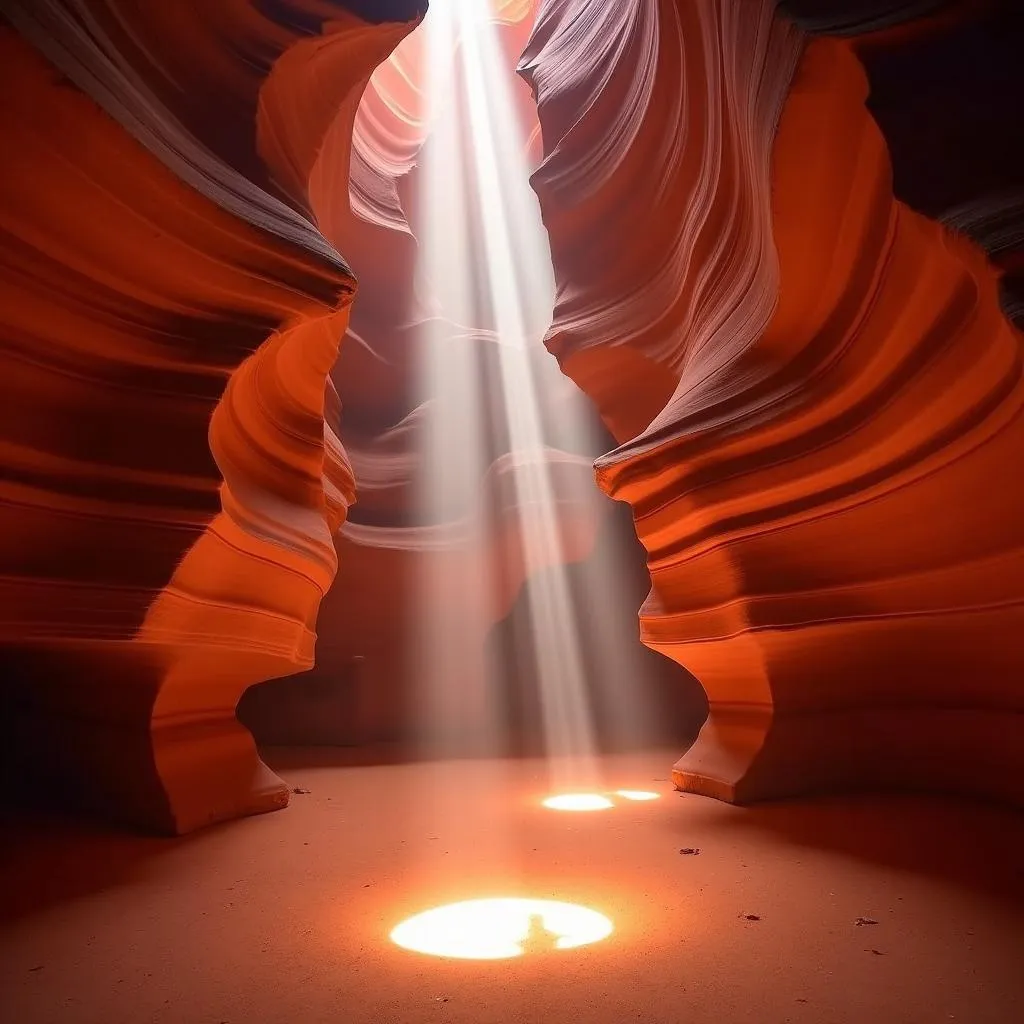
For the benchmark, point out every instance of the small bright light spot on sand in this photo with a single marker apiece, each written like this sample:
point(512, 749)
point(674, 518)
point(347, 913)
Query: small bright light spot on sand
point(636, 794)
point(578, 802)
point(495, 929)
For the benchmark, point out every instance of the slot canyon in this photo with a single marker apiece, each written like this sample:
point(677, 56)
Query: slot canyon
point(559, 456)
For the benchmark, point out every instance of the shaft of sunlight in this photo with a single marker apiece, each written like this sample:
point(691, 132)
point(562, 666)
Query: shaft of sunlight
point(513, 244)
point(454, 581)
point(494, 406)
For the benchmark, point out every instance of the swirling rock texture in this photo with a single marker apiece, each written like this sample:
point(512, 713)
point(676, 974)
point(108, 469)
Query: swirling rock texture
point(816, 390)
point(169, 319)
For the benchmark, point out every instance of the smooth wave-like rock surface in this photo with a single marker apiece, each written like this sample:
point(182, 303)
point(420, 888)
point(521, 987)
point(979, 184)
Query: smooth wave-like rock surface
point(170, 317)
point(817, 394)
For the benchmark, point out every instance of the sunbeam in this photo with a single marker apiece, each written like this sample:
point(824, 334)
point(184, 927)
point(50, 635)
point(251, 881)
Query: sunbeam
point(455, 584)
point(475, 181)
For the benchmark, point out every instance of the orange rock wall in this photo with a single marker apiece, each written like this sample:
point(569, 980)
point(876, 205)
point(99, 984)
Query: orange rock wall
point(170, 487)
point(818, 399)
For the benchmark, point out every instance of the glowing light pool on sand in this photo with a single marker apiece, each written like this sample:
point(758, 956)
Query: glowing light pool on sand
point(497, 929)
point(578, 802)
point(595, 801)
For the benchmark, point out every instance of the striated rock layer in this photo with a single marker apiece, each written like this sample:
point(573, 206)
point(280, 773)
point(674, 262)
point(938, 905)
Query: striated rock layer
point(816, 393)
point(170, 489)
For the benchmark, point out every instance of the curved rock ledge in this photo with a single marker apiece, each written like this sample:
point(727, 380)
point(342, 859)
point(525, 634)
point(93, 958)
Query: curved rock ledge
point(171, 489)
point(824, 395)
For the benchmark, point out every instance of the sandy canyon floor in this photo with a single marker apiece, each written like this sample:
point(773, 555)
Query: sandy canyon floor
point(866, 910)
